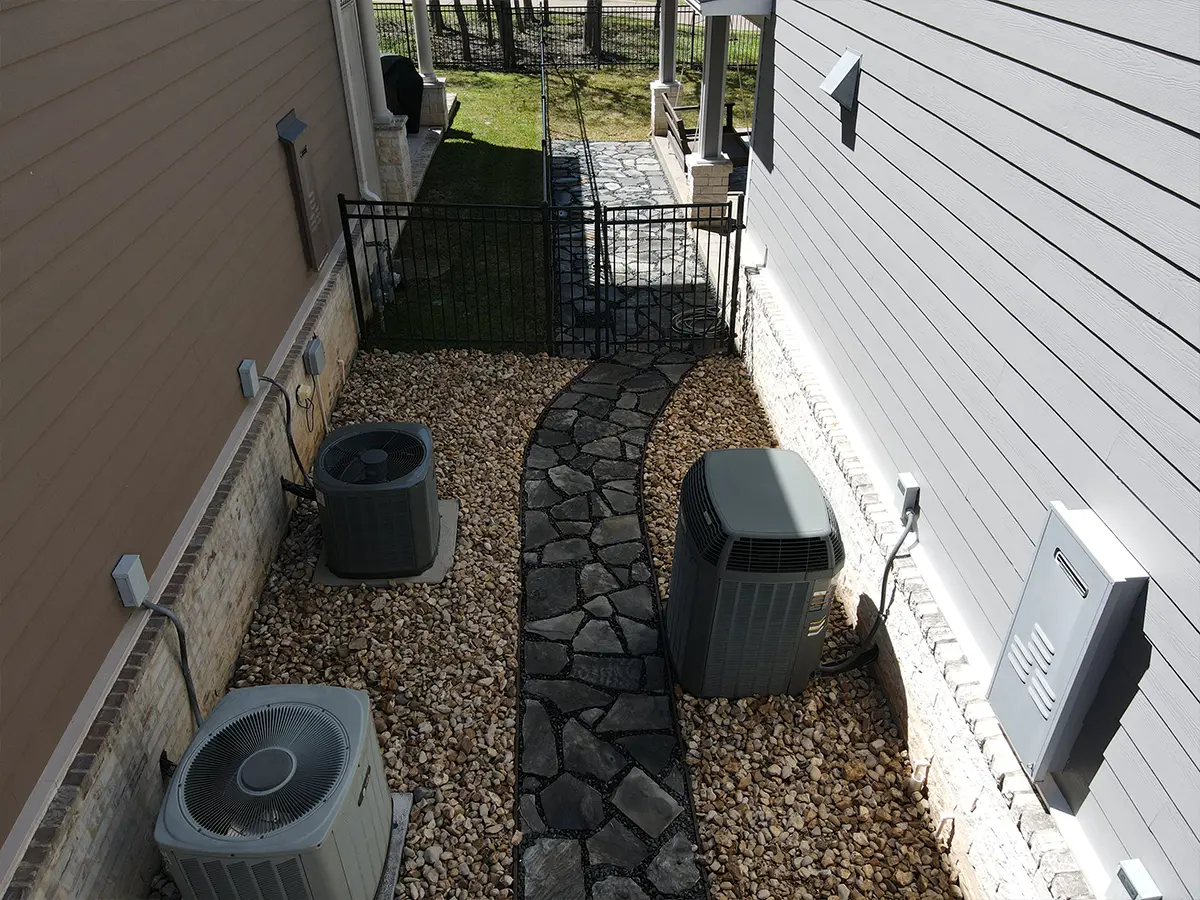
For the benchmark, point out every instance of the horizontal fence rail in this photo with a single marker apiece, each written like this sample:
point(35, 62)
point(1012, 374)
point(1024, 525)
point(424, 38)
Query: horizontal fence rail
point(504, 35)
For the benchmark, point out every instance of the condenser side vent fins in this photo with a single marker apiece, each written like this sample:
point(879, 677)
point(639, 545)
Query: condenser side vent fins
point(700, 516)
point(775, 555)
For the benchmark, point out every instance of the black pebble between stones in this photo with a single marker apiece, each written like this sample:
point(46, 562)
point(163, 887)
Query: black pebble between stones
point(603, 805)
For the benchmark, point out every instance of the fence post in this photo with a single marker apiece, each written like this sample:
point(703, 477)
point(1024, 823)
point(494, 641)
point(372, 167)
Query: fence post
point(348, 235)
point(598, 217)
point(737, 272)
point(405, 13)
point(692, 38)
point(552, 298)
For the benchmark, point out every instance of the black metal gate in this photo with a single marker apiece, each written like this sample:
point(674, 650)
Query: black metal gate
point(580, 281)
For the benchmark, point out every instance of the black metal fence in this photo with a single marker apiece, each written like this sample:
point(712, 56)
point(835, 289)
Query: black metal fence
point(449, 275)
point(504, 35)
point(580, 281)
point(570, 278)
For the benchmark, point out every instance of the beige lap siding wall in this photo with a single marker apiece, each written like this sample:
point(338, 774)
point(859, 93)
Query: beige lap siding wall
point(96, 840)
point(1002, 842)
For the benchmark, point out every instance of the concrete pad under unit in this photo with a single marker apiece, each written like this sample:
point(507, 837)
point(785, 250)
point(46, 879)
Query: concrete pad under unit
point(435, 574)
point(402, 804)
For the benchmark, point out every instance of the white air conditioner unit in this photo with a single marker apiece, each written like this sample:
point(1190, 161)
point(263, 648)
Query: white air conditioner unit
point(282, 795)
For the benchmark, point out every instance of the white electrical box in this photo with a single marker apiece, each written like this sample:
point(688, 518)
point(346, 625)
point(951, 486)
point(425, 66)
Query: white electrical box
point(1081, 589)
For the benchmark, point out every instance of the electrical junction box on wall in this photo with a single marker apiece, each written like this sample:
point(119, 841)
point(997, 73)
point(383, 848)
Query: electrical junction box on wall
point(1077, 600)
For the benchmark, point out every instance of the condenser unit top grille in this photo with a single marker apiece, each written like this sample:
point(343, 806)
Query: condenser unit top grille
point(765, 493)
point(373, 457)
point(700, 515)
point(264, 770)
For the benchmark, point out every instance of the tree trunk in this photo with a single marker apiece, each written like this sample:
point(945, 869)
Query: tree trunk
point(508, 44)
point(518, 14)
point(657, 15)
point(437, 19)
point(591, 29)
point(530, 14)
point(463, 31)
point(485, 13)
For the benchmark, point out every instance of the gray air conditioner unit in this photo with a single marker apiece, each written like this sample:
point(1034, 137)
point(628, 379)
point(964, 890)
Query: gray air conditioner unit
point(377, 499)
point(281, 795)
point(756, 547)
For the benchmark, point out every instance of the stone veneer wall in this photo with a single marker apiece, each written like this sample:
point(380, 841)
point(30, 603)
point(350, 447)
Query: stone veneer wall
point(96, 840)
point(395, 160)
point(1000, 837)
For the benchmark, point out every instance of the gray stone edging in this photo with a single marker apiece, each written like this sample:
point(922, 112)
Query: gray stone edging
point(1016, 851)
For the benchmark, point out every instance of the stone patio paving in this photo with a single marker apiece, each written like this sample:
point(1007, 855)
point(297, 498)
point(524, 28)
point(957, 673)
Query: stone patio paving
point(652, 269)
point(604, 804)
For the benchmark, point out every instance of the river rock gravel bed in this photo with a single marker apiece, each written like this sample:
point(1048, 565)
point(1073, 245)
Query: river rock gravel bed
point(804, 798)
point(439, 661)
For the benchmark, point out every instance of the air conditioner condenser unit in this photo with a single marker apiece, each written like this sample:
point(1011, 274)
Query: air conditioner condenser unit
point(282, 794)
point(756, 550)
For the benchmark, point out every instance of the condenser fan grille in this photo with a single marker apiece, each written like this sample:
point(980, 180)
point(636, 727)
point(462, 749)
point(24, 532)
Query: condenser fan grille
point(265, 770)
point(374, 457)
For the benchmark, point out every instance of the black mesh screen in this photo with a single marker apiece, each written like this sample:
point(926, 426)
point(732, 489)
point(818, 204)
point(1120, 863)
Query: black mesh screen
point(779, 555)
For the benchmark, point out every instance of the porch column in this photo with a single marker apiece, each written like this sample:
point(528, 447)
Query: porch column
point(424, 44)
point(370, 49)
point(712, 88)
point(709, 168)
point(433, 100)
point(665, 87)
point(667, 36)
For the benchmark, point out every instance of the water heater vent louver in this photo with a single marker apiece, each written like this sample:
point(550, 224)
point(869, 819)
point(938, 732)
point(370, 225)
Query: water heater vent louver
point(1079, 595)
point(700, 515)
point(776, 555)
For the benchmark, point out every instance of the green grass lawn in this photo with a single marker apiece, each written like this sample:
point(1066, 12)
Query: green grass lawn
point(473, 277)
point(493, 152)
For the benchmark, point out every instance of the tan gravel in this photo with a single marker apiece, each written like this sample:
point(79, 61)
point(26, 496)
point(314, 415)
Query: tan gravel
point(438, 660)
point(804, 797)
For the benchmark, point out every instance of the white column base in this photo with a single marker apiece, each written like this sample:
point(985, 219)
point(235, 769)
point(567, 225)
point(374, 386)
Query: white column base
point(434, 112)
point(660, 91)
point(708, 179)
point(395, 162)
